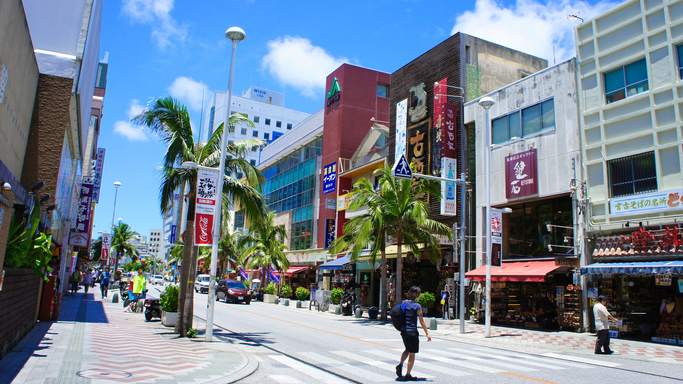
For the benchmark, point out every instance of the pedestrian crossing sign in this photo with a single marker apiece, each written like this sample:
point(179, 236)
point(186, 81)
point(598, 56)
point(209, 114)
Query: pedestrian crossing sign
point(401, 169)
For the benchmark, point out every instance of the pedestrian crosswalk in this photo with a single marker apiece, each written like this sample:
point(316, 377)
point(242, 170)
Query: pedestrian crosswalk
point(433, 364)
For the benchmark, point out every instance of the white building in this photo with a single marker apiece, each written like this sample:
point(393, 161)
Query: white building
point(156, 243)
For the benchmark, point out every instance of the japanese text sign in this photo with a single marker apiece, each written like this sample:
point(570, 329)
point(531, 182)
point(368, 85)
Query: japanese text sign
point(97, 175)
point(662, 201)
point(449, 140)
point(329, 178)
point(329, 232)
point(207, 189)
point(84, 205)
point(418, 147)
point(520, 174)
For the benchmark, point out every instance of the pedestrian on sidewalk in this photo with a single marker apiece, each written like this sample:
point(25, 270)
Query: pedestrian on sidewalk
point(411, 337)
point(104, 282)
point(94, 278)
point(75, 280)
point(139, 286)
point(87, 280)
point(602, 317)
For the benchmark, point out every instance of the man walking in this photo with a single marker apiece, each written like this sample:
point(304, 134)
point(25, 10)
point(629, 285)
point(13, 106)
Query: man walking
point(87, 280)
point(602, 317)
point(104, 282)
point(139, 286)
point(409, 333)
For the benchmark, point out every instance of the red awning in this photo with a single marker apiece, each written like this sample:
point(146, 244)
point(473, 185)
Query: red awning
point(521, 271)
point(295, 270)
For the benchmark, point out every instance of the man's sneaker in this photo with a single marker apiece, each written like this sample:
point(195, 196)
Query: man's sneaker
point(408, 377)
point(399, 370)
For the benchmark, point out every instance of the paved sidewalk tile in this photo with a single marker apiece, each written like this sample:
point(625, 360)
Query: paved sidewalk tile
point(94, 341)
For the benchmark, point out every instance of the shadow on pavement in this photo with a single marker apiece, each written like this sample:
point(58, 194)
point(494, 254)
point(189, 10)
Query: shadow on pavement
point(250, 339)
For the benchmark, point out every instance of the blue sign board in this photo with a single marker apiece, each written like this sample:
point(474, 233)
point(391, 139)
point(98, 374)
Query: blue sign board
point(329, 232)
point(402, 169)
point(172, 236)
point(329, 178)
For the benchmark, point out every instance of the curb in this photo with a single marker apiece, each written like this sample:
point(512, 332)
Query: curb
point(251, 367)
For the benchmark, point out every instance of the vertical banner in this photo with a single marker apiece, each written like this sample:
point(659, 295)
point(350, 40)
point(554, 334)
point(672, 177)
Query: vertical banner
point(207, 182)
point(330, 178)
point(329, 232)
point(97, 175)
point(106, 244)
point(174, 233)
point(79, 237)
point(496, 238)
point(418, 147)
point(449, 171)
point(74, 258)
point(401, 129)
point(520, 174)
point(440, 99)
point(448, 132)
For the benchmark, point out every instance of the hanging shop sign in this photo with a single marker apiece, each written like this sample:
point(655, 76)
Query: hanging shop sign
point(440, 98)
point(329, 232)
point(401, 129)
point(448, 170)
point(496, 238)
point(330, 178)
point(97, 175)
point(572, 262)
point(521, 174)
point(174, 233)
point(663, 280)
point(106, 244)
point(79, 237)
point(655, 202)
point(343, 202)
point(418, 147)
point(448, 131)
point(205, 210)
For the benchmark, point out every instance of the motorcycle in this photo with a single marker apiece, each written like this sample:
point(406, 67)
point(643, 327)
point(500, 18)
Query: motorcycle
point(152, 309)
point(347, 303)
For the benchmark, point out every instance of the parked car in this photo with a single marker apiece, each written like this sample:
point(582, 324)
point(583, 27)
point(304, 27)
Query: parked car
point(201, 283)
point(233, 291)
point(157, 279)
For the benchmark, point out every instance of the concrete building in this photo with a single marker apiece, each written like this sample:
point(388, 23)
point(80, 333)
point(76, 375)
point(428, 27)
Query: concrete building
point(630, 108)
point(157, 243)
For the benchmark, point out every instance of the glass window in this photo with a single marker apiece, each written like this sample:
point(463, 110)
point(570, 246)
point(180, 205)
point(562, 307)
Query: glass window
point(278, 124)
point(679, 49)
point(548, 111)
point(531, 120)
point(244, 131)
point(252, 162)
point(266, 136)
point(256, 119)
point(626, 81)
point(500, 130)
point(267, 121)
point(515, 125)
point(382, 90)
point(289, 125)
point(632, 174)
point(254, 133)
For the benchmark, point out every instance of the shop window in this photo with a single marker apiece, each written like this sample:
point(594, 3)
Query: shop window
point(257, 119)
point(527, 122)
point(632, 174)
point(382, 90)
point(679, 50)
point(626, 81)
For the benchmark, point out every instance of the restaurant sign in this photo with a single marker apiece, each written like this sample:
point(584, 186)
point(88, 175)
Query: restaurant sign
point(655, 202)
point(520, 174)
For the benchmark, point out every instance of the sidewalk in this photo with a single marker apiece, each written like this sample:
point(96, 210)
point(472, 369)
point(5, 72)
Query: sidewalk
point(94, 341)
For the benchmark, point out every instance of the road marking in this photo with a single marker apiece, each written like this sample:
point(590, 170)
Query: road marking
point(399, 340)
point(582, 360)
point(378, 364)
point(308, 370)
point(528, 378)
point(484, 361)
point(546, 359)
point(284, 379)
point(365, 374)
point(507, 358)
point(423, 364)
point(463, 364)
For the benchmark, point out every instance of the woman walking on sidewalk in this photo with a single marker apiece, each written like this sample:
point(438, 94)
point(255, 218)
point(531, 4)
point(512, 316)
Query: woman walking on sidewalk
point(87, 280)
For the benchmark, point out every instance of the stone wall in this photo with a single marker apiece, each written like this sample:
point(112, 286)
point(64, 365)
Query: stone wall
point(18, 306)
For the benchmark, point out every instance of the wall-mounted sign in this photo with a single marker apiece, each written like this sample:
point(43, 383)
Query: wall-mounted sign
point(174, 233)
point(401, 128)
point(335, 92)
point(496, 238)
point(418, 147)
point(97, 175)
point(448, 132)
point(418, 103)
point(440, 98)
point(661, 201)
point(329, 232)
point(329, 178)
point(330, 204)
point(520, 174)
point(572, 262)
point(663, 280)
point(448, 170)
point(344, 202)
point(205, 208)
point(83, 209)
point(78, 239)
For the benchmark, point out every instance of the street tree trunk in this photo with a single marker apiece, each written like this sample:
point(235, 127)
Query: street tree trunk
point(399, 269)
point(185, 285)
point(384, 282)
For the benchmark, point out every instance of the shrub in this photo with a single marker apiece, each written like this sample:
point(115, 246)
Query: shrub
point(286, 291)
point(426, 300)
point(192, 333)
point(302, 293)
point(270, 289)
point(336, 295)
point(169, 299)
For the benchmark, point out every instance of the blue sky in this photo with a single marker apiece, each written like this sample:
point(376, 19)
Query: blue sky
point(159, 48)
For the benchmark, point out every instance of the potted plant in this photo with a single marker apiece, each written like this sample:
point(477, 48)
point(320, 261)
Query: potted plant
point(169, 306)
point(426, 300)
point(285, 294)
point(301, 294)
point(336, 295)
point(269, 293)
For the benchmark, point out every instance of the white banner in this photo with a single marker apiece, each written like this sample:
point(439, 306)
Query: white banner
point(207, 184)
point(655, 202)
point(106, 245)
point(449, 169)
point(401, 129)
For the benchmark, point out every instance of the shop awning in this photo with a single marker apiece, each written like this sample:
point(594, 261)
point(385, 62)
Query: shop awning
point(296, 269)
point(336, 263)
point(520, 271)
point(635, 268)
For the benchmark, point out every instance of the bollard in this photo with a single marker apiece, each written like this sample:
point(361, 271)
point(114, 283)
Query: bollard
point(286, 302)
point(115, 298)
point(277, 300)
point(432, 325)
point(298, 304)
point(337, 310)
point(359, 313)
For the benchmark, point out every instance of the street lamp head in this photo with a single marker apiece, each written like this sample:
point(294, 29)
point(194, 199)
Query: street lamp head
point(506, 210)
point(236, 34)
point(7, 187)
point(189, 165)
point(117, 184)
point(486, 102)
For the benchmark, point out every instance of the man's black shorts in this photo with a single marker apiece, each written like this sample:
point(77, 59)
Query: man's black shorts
point(411, 340)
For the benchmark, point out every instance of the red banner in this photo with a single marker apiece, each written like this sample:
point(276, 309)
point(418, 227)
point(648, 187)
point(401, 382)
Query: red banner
point(203, 227)
point(521, 174)
point(449, 138)
point(205, 209)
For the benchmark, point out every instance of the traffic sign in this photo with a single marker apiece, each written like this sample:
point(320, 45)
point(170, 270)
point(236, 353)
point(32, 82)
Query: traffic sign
point(401, 169)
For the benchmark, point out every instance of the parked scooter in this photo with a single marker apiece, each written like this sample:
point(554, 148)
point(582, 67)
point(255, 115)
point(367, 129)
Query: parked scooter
point(152, 309)
point(347, 303)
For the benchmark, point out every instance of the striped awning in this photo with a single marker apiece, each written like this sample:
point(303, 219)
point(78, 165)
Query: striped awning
point(674, 267)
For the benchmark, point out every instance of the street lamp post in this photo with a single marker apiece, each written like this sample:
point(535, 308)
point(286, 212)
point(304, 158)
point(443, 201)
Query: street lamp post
point(116, 195)
point(235, 34)
point(486, 102)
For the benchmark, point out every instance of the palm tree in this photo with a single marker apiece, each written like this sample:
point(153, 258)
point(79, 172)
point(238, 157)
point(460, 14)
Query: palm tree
point(120, 243)
point(171, 120)
point(395, 210)
point(229, 250)
point(266, 248)
point(96, 248)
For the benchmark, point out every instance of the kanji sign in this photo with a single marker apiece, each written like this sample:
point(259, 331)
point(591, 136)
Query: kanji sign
point(207, 184)
point(520, 174)
point(329, 232)
point(496, 237)
point(79, 237)
point(418, 147)
point(661, 201)
point(97, 175)
point(329, 178)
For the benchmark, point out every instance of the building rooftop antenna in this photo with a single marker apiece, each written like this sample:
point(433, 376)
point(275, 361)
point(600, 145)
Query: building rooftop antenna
point(576, 16)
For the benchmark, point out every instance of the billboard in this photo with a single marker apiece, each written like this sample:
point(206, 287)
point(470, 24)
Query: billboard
point(520, 174)
point(207, 184)
point(330, 178)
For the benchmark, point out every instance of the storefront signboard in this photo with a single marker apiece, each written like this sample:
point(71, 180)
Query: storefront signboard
point(496, 238)
point(329, 232)
point(438, 142)
point(343, 202)
point(207, 183)
point(418, 147)
point(663, 280)
point(655, 202)
point(521, 174)
point(448, 170)
point(572, 262)
point(401, 129)
point(330, 178)
point(97, 175)
point(365, 264)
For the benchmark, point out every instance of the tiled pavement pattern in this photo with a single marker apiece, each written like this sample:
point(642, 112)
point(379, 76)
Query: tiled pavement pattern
point(96, 342)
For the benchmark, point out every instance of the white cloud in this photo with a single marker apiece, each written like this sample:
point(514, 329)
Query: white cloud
point(530, 26)
point(297, 63)
point(126, 129)
point(156, 13)
point(188, 91)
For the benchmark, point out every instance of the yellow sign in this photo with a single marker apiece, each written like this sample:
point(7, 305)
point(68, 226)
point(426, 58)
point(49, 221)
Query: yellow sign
point(343, 202)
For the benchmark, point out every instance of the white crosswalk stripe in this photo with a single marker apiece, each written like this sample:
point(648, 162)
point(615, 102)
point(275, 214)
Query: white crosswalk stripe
point(284, 379)
point(479, 360)
point(507, 358)
point(354, 370)
point(476, 367)
point(309, 370)
point(581, 360)
point(378, 364)
point(536, 358)
point(424, 365)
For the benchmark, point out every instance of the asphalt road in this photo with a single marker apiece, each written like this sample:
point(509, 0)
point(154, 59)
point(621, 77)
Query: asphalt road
point(298, 346)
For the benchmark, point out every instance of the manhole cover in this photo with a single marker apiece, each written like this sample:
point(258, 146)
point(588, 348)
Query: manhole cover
point(110, 374)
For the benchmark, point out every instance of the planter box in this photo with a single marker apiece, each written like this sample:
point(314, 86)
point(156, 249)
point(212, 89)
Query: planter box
point(169, 319)
point(268, 298)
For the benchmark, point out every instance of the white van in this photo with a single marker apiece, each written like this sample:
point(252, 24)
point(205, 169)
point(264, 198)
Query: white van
point(201, 283)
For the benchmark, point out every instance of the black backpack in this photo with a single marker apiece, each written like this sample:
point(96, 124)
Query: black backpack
point(397, 316)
